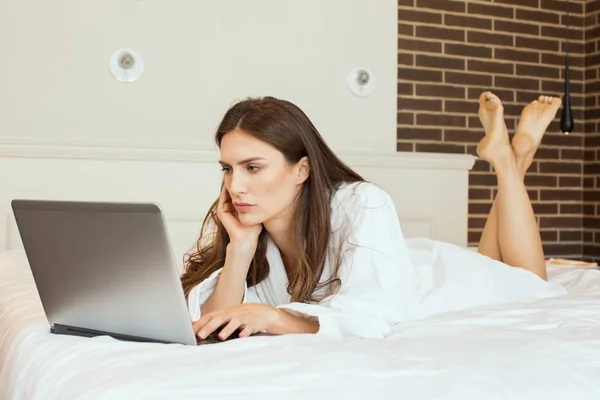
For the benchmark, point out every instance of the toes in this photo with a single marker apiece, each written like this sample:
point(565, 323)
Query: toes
point(488, 97)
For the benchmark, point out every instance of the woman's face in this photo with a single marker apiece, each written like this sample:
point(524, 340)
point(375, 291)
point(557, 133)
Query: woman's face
point(261, 183)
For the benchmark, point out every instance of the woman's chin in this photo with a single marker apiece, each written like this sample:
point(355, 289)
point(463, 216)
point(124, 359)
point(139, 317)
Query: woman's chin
point(248, 219)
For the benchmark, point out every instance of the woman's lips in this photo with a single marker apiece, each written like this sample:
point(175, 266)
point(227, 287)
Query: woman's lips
point(243, 207)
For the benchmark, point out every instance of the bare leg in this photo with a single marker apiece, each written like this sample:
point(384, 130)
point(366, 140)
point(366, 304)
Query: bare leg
point(518, 237)
point(524, 150)
point(491, 116)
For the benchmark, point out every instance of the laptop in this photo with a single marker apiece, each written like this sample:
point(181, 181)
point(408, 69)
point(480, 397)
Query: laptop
point(105, 269)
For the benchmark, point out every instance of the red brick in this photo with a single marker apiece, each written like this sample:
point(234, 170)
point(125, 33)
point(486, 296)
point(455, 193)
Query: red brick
point(480, 194)
point(442, 5)
point(474, 237)
point(560, 194)
point(540, 180)
point(570, 236)
point(571, 209)
point(549, 236)
point(480, 208)
point(477, 222)
point(419, 16)
point(405, 118)
point(406, 29)
point(467, 22)
point(419, 45)
point(445, 91)
point(491, 67)
point(572, 20)
point(516, 27)
point(443, 120)
point(464, 136)
point(405, 88)
point(435, 32)
point(537, 16)
point(467, 78)
point(517, 83)
point(522, 3)
point(544, 208)
point(538, 71)
point(546, 153)
point(487, 10)
point(417, 133)
point(569, 181)
point(561, 222)
point(482, 179)
point(405, 146)
point(559, 32)
point(423, 60)
point(489, 38)
point(419, 104)
point(556, 59)
point(561, 5)
point(440, 148)
point(536, 44)
point(571, 154)
point(406, 58)
point(423, 75)
point(562, 250)
point(561, 167)
point(467, 50)
point(461, 106)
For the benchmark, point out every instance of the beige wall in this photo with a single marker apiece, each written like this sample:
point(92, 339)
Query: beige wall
point(199, 57)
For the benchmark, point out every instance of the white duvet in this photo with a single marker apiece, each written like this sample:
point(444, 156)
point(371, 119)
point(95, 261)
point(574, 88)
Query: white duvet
point(469, 344)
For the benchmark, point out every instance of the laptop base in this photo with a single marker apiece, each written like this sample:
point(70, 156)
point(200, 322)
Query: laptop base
point(59, 329)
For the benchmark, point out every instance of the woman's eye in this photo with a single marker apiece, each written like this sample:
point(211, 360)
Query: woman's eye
point(253, 168)
point(226, 169)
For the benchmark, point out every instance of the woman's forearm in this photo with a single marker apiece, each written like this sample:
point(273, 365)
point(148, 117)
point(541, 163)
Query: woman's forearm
point(287, 323)
point(231, 284)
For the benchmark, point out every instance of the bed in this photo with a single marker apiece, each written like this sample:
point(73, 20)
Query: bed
point(539, 348)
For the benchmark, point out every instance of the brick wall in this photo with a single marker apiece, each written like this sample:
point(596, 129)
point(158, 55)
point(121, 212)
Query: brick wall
point(449, 51)
point(591, 180)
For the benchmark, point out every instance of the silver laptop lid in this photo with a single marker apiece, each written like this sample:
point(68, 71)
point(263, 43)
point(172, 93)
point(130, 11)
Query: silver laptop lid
point(106, 267)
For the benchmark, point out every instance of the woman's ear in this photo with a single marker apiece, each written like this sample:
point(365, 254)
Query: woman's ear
point(303, 170)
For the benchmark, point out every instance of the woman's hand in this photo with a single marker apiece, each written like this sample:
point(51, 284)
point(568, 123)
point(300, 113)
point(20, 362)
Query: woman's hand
point(252, 317)
point(243, 238)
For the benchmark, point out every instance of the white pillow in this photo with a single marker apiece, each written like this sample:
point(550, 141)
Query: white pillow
point(452, 278)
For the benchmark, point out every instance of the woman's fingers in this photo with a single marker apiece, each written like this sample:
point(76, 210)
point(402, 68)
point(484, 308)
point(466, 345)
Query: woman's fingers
point(197, 325)
point(247, 331)
point(214, 323)
point(233, 324)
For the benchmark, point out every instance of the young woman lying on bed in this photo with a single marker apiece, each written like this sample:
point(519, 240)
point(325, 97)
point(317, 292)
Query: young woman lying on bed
point(298, 243)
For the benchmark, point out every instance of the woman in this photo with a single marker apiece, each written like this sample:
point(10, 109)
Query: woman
point(298, 242)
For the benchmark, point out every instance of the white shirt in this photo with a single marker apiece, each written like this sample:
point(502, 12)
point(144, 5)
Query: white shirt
point(377, 275)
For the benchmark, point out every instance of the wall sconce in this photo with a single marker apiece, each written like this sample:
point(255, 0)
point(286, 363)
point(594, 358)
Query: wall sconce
point(126, 65)
point(361, 82)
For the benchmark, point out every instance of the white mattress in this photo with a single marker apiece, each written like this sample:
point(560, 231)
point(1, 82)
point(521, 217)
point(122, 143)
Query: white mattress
point(543, 349)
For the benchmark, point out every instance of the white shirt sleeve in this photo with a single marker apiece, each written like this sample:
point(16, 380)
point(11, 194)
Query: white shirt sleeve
point(201, 292)
point(377, 276)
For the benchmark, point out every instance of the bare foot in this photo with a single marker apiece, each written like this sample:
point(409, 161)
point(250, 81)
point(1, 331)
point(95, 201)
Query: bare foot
point(535, 118)
point(491, 114)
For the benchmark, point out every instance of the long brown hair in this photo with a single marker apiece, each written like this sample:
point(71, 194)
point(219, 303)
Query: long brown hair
point(284, 126)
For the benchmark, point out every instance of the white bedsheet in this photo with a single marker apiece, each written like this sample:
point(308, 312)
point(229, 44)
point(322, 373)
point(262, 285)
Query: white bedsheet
point(543, 349)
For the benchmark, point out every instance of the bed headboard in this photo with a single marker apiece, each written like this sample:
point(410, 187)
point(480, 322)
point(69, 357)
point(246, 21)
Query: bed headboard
point(430, 190)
